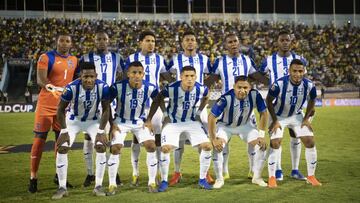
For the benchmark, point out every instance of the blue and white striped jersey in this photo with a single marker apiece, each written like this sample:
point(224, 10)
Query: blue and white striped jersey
point(85, 103)
point(235, 112)
point(183, 104)
point(200, 62)
point(228, 68)
point(107, 65)
point(278, 66)
point(291, 98)
point(131, 102)
point(154, 64)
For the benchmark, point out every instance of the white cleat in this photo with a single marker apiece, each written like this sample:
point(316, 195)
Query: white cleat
point(259, 181)
point(60, 193)
point(218, 184)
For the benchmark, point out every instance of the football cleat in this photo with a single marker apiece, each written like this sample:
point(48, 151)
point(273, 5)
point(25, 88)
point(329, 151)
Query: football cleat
point(152, 188)
point(112, 190)
point(135, 181)
point(176, 178)
point(297, 175)
point(204, 184)
point(99, 191)
point(313, 181)
point(60, 193)
point(226, 176)
point(33, 185)
point(163, 186)
point(259, 181)
point(209, 179)
point(88, 180)
point(218, 184)
point(272, 182)
point(279, 175)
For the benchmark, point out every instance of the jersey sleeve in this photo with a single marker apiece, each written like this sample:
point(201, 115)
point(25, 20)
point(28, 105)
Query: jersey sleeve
point(43, 62)
point(260, 103)
point(171, 66)
point(207, 64)
point(219, 106)
point(67, 94)
point(312, 93)
point(113, 91)
point(165, 91)
point(263, 68)
point(274, 91)
point(206, 91)
point(106, 92)
point(215, 67)
point(252, 66)
point(154, 92)
point(163, 65)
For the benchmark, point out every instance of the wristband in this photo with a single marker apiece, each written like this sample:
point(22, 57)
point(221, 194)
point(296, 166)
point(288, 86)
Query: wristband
point(261, 133)
point(62, 131)
point(99, 131)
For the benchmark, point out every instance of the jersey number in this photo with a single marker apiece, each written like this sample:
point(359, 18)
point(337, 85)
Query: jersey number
point(236, 71)
point(65, 74)
point(87, 104)
point(293, 100)
point(133, 103)
point(147, 70)
point(186, 105)
point(103, 67)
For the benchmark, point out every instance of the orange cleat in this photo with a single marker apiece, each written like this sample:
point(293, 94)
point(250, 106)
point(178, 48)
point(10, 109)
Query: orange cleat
point(209, 179)
point(313, 181)
point(272, 182)
point(176, 177)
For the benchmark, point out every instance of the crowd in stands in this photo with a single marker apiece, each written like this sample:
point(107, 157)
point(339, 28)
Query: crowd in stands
point(333, 53)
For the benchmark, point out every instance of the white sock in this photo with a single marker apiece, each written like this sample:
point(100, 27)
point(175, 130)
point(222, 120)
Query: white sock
point(311, 160)
point(178, 153)
point(164, 165)
point(61, 169)
point(258, 160)
point(251, 155)
point(273, 157)
point(278, 161)
point(205, 160)
point(113, 166)
point(100, 161)
point(88, 150)
point(295, 151)
point(226, 152)
point(151, 162)
point(135, 152)
point(218, 159)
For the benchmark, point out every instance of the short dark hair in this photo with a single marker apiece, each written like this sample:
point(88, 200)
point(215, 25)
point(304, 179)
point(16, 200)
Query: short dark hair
point(283, 32)
point(63, 34)
point(188, 68)
point(87, 66)
point(296, 62)
point(146, 33)
point(186, 33)
point(241, 78)
point(101, 32)
point(136, 64)
point(232, 34)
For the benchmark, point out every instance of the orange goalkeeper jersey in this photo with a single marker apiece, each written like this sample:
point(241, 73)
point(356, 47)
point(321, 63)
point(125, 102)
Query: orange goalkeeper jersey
point(61, 70)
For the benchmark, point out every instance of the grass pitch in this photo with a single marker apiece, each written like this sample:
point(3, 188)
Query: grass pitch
point(337, 140)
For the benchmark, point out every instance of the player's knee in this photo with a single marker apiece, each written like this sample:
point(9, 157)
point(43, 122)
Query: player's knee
point(115, 149)
point(166, 149)
point(206, 146)
point(150, 146)
point(100, 148)
point(87, 137)
point(63, 150)
point(275, 143)
point(158, 140)
point(308, 141)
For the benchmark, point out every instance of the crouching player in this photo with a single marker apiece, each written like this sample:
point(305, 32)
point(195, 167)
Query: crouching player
point(84, 96)
point(237, 118)
point(182, 116)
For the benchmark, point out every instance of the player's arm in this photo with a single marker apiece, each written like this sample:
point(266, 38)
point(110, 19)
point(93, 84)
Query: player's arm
point(64, 136)
point(159, 99)
point(215, 112)
point(274, 91)
point(310, 109)
point(213, 74)
point(42, 79)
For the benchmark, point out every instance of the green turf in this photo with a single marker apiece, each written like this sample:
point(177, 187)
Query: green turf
point(337, 137)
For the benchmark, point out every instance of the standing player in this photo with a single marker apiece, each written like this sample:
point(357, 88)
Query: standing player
point(290, 93)
point(132, 95)
point(154, 65)
point(201, 63)
point(277, 66)
point(228, 67)
point(55, 69)
point(109, 66)
point(84, 96)
point(236, 110)
point(183, 116)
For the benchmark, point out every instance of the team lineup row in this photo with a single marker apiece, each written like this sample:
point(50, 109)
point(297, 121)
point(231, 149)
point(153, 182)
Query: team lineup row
point(188, 97)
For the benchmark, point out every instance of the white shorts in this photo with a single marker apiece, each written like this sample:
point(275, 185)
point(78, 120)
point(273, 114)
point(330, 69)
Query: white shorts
point(156, 121)
point(247, 132)
point(76, 126)
point(142, 133)
point(293, 122)
point(193, 131)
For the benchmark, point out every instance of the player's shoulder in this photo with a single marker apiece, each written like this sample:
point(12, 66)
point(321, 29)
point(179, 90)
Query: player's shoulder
point(146, 83)
point(100, 82)
point(75, 82)
point(229, 93)
point(254, 91)
point(307, 81)
point(174, 84)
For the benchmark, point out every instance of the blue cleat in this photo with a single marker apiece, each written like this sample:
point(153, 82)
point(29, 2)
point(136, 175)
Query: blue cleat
point(163, 186)
point(204, 184)
point(279, 175)
point(297, 175)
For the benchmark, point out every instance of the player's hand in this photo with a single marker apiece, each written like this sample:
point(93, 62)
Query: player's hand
point(166, 121)
point(113, 129)
point(218, 144)
point(100, 137)
point(63, 138)
point(261, 143)
point(55, 91)
point(274, 126)
point(307, 123)
point(148, 125)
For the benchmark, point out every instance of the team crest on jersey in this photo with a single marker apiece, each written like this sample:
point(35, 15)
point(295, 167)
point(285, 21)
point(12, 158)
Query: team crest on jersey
point(70, 64)
point(220, 101)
